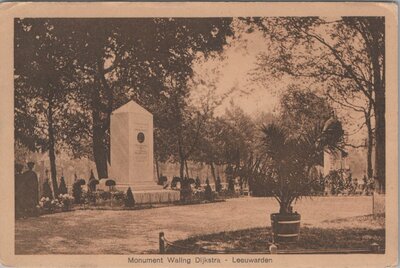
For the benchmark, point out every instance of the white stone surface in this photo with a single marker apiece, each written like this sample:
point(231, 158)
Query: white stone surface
point(132, 147)
point(156, 196)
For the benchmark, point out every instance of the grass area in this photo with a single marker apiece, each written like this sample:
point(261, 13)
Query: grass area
point(109, 231)
point(311, 238)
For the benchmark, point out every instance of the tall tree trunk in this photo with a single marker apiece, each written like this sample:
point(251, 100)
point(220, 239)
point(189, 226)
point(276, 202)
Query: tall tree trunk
point(101, 119)
point(370, 142)
point(99, 151)
point(379, 108)
point(213, 172)
point(99, 135)
point(380, 142)
point(181, 158)
point(157, 169)
point(187, 169)
point(369, 159)
point(109, 93)
point(52, 155)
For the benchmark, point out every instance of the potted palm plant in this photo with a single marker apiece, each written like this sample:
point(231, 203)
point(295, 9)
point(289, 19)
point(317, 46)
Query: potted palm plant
point(286, 168)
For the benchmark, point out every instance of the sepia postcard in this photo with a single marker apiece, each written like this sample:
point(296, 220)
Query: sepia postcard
point(184, 134)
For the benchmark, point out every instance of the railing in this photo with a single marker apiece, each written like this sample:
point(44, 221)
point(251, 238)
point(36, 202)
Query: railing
point(165, 245)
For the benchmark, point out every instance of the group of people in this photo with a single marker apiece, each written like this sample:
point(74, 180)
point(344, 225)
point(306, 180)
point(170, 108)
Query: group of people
point(26, 190)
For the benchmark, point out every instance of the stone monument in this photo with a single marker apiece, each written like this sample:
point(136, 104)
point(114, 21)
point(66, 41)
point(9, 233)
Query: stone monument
point(131, 161)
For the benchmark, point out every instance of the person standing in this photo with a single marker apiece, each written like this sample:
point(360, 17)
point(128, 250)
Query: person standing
point(19, 195)
point(31, 189)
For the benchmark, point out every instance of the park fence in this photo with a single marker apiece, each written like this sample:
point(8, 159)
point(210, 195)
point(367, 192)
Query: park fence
point(169, 247)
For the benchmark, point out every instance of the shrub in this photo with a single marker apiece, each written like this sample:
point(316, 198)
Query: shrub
point(162, 179)
point(231, 184)
point(174, 181)
point(92, 177)
point(198, 194)
point(186, 190)
point(48, 205)
point(129, 200)
point(81, 182)
point(90, 197)
point(197, 183)
point(336, 182)
point(225, 193)
point(104, 195)
point(47, 192)
point(92, 184)
point(191, 181)
point(351, 185)
point(208, 195)
point(118, 195)
point(318, 188)
point(63, 187)
point(63, 202)
point(368, 185)
point(77, 192)
point(110, 183)
point(66, 200)
point(218, 185)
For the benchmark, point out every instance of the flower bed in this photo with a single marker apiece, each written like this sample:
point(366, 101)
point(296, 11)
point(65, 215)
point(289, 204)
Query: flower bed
point(62, 203)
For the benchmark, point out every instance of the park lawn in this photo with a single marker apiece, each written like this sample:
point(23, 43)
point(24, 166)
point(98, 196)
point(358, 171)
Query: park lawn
point(311, 238)
point(136, 231)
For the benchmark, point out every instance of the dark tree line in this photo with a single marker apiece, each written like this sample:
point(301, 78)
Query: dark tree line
point(70, 74)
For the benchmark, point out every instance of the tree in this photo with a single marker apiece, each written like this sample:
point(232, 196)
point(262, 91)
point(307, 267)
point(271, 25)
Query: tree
point(211, 144)
point(41, 87)
point(108, 66)
point(227, 139)
point(176, 117)
point(345, 55)
point(302, 109)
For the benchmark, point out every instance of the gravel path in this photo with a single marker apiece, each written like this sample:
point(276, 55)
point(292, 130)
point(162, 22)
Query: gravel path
point(127, 232)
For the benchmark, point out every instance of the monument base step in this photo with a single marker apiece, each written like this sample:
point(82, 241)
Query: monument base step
point(150, 193)
point(156, 196)
point(137, 186)
point(146, 186)
point(147, 192)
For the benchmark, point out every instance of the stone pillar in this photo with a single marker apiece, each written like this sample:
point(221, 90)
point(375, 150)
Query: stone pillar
point(131, 134)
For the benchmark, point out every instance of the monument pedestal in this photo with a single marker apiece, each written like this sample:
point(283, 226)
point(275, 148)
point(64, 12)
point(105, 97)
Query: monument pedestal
point(156, 197)
point(150, 193)
point(140, 186)
point(132, 155)
point(148, 196)
point(145, 193)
